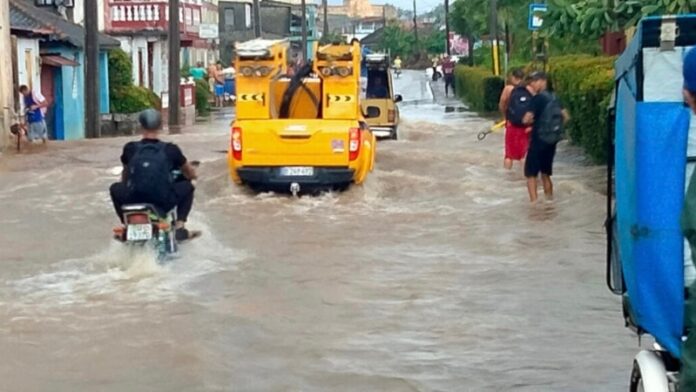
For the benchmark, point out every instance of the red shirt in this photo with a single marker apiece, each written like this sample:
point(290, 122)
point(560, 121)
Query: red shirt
point(448, 67)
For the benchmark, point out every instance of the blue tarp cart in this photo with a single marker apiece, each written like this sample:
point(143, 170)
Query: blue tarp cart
point(650, 167)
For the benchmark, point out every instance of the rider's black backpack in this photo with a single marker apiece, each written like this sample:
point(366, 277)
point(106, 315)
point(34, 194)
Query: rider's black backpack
point(150, 174)
point(519, 105)
point(550, 128)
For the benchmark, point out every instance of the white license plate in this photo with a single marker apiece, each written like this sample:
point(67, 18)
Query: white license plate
point(296, 171)
point(139, 232)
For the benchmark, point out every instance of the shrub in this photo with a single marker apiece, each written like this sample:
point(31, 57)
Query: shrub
point(120, 69)
point(185, 71)
point(584, 84)
point(134, 99)
point(124, 96)
point(478, 87)
point(202, 97)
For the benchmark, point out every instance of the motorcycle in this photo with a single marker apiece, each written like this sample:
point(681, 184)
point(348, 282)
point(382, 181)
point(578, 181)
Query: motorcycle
point(146, 225)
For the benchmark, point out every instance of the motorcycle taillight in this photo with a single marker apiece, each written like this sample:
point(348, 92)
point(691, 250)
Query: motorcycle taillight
point(137, 219)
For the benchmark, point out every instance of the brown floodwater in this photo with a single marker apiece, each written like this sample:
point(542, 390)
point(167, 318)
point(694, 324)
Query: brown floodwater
point(435, 275)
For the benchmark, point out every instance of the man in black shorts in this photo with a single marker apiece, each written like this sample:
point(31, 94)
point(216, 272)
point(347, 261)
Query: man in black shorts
point(147, 175)
point(541, 154)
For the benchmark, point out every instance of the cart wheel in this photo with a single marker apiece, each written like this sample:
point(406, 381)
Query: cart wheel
point(649, 373)
point(636, 380)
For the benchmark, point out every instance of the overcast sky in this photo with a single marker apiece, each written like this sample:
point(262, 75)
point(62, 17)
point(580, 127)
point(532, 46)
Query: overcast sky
point(423, 5)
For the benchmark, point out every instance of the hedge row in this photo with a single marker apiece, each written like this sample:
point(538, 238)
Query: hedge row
point(478, 87)
point(584, 84)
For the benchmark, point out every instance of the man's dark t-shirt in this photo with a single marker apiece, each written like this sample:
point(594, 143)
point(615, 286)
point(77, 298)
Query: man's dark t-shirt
point(174, 154)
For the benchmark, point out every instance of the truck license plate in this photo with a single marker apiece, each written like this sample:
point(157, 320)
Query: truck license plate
point(139, 232)
point(296, 171)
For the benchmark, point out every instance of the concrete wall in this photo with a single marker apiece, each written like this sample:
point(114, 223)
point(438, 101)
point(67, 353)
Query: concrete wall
point(28, 51)
point(78, 14)
point(6, 89)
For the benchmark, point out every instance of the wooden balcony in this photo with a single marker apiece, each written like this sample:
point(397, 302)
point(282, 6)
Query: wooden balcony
point(152, 15)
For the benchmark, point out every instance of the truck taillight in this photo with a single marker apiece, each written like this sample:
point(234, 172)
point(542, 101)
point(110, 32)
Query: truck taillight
point(391, 116)
point(236, 143)
point(354, 143)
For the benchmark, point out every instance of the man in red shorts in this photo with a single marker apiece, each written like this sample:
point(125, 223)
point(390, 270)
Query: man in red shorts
point(514, 103)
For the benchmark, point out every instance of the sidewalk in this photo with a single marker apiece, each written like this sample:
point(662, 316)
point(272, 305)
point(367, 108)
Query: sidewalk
point(452, 101)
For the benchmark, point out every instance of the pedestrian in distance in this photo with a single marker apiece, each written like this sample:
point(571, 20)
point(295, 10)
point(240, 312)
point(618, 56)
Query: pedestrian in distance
point(198, 72)
point(514, 103)
point(548, 118)
point(448, 71)
point(219, 85)
point(212, 72)
point(687, 378)
point(34, 107)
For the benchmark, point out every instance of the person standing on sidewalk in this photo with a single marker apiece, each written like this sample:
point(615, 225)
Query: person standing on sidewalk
point(687, 379)
point(547, 118)
point(514, 104)
point(34, 108)
point(448, 71)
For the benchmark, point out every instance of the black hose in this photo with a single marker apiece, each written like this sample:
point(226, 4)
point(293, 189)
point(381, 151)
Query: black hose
point(296, 82)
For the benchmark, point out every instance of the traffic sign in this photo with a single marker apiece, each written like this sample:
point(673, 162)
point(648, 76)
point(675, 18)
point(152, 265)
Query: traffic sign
point(536, 15)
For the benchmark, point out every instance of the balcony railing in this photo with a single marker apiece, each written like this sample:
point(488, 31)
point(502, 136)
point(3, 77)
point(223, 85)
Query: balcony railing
point(136, 15)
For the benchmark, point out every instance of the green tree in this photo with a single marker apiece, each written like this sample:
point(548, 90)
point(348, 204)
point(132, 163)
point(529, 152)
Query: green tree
point(398, 41)
point(592, 18)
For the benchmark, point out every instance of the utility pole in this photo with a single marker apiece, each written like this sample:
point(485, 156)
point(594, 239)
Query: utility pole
point(304, 31)
point(415, 29)
point(447, 27)
point(257, 19)
point(92, 107)
point(7, 93)
point(494, 37)
point(325, 10)
point(174, 66)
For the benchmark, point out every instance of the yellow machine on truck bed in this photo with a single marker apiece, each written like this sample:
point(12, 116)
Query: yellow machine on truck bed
point(303, 132)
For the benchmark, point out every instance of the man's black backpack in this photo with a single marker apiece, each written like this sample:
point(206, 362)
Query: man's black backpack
point(519, 105)
point(150, 174)
point(551, 124)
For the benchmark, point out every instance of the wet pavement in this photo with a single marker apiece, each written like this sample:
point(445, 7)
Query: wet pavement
point(435, 275)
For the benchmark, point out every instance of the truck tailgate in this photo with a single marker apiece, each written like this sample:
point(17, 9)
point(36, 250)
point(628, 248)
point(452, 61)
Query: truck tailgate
point(295, 142)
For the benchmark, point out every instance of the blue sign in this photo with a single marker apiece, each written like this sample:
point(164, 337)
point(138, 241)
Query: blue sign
point(536, 15)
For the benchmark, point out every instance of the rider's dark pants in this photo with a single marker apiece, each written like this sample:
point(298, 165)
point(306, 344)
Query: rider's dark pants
point(183, 193)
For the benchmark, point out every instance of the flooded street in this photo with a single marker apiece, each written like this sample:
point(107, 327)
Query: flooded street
point(435, 275)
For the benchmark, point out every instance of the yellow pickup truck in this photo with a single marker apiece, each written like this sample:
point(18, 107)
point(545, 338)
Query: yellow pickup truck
point(299, 133)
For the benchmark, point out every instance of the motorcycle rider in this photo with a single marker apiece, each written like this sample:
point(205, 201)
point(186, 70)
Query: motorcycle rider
point(397, 65)
point(147, 175)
